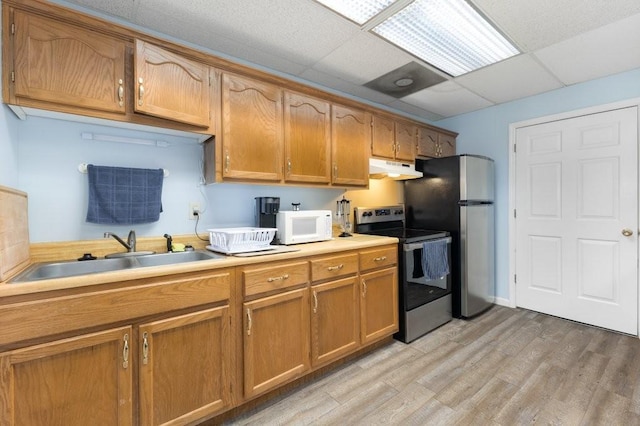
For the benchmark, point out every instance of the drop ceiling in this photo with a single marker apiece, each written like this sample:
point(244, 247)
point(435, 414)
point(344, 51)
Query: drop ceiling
point(562, 43)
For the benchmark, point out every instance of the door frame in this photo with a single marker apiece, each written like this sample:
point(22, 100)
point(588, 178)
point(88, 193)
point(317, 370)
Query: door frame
point(634, 102)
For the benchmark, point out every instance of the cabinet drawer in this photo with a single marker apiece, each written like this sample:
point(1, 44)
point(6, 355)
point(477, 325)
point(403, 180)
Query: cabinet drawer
point(376, 258)
point(274, 277)
point(334, 267)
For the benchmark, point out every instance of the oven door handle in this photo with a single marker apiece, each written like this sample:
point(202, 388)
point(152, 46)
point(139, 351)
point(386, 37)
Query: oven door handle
point(416, 246)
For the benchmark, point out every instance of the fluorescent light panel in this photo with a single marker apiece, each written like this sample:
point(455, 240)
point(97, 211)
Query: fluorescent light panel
point(448, 34)
point(359, 11)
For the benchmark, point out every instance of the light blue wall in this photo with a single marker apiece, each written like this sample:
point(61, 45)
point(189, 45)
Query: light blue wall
point(486, 132)
point(50, 150)
point(8, 147)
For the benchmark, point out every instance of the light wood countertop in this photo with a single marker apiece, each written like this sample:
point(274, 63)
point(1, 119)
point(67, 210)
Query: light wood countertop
point(356, 242)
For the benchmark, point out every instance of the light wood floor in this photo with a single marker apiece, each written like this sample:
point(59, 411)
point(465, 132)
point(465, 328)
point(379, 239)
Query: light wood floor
point(506, 367)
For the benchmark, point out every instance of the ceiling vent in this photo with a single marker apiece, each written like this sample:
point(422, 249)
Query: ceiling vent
point(403, 81)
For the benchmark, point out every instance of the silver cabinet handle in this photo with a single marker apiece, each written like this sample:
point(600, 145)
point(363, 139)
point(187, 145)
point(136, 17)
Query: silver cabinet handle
point(364, 289)
point(335, 268)
point(315, 302)
point(125, 351)
point(380, 259)
point(140, 90)
point(145, 348)
point(120, 93)
point(280, 278)
point(249, 322)
point(627, 232)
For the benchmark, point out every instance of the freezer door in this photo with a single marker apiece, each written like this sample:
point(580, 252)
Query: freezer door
point(477, 247)
point(476, 178)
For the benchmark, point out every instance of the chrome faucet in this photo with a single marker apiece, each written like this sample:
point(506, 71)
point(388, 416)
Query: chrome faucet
point(130, 245)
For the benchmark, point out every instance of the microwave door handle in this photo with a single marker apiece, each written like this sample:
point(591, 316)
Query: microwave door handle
point(416, 246)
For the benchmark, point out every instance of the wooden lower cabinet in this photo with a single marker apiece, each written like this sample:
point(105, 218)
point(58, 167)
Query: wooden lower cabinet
point(184, 367)
point(276, 340)
point(83, 380)
point(378, 304)
point(334, 320)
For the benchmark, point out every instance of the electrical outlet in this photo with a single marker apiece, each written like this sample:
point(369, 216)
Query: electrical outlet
point(194, 211)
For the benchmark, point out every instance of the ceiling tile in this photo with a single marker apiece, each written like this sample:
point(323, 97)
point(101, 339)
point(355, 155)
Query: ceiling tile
point(359, 59)
point(280, 27)
point(416, 111)
point(339, 85)
point(514, 78)
point(447, 99)
point(540, 23)
point(608, 50)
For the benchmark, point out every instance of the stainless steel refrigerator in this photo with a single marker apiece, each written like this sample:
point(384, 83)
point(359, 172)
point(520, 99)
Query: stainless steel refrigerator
point(456, 194)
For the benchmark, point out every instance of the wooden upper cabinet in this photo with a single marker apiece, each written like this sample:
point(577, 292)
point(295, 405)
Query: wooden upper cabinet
point(83, 380)
point(252, 129)
point(427, 142)
point(405, 135)
point(393, 139)
point(383, 143)
point(66, 65)
point(307, 139)
point(185, 367)
point(447, 145)
point(171, 86)
point(432, 143)
point(350, 138)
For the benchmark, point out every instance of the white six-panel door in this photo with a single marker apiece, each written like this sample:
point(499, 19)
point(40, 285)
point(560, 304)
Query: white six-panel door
point(577, 219)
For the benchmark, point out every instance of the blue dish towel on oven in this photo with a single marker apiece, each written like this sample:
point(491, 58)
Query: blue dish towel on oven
point(435, 259)
point(124, 196)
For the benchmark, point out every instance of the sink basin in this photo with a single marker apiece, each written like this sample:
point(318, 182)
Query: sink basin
point(179, 257)
point(128, 254)
point(45, 271)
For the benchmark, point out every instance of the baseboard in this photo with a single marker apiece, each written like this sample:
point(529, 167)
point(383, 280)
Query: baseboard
point(505, 302)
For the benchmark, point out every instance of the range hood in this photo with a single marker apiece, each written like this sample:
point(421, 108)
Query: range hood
point(387, 169)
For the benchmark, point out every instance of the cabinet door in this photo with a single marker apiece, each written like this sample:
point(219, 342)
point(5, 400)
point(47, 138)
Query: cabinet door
point(184, 367)
point(307, 139)
point(252, 129)
point(378, 304)
point(405, 136)
point(383, 142)
point(84, 380)
point(170, 86)
point(350, 138)
point(447, 145)
point(276, 340)
point(427, 142)
point(334, 320)
point(67, 65)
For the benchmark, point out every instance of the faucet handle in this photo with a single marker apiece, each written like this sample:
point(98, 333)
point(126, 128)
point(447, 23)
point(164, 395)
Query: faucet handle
point(169, 242)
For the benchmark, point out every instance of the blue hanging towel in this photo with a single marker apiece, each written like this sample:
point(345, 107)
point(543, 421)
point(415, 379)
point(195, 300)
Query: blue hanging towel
point(435, 259)
point(124, 196)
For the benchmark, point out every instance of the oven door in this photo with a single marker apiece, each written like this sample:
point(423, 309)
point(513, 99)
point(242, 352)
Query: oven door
point(416, 289)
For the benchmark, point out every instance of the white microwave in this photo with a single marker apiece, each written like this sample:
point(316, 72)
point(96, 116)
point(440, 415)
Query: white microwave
point(303, 226)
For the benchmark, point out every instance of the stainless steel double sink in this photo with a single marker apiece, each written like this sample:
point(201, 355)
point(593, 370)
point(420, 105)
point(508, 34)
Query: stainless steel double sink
point(50, 270)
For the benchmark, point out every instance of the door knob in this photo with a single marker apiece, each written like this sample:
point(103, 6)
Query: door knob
point(627, 232)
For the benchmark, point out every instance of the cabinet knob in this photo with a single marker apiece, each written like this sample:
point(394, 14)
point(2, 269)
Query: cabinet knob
point(627, 232)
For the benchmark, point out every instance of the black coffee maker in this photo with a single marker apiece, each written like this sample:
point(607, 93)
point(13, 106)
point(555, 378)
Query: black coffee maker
point(266, 209)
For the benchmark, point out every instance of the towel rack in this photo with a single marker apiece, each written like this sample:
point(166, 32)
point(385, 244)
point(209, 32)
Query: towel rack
point(82, 168)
